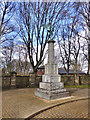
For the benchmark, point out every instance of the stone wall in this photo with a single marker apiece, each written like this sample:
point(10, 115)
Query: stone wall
point(85, 79)
point(79, 80)
point(38, 79)
point(21, 81)
point(33, 81)
point(6, 81)
point(67, 79)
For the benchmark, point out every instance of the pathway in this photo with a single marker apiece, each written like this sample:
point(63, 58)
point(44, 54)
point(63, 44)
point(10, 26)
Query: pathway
point(21, 103)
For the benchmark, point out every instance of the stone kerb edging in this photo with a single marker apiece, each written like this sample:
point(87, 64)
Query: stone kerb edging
point(40, 111)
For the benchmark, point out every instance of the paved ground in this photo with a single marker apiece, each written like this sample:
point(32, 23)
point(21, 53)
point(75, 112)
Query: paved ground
point(21, 103)
point(77, 109)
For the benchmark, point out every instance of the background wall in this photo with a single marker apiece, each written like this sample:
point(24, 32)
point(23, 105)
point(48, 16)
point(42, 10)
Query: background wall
point(33, 81)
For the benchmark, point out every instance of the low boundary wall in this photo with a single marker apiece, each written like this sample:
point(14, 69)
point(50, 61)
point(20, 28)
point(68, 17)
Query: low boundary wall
point(33, 80)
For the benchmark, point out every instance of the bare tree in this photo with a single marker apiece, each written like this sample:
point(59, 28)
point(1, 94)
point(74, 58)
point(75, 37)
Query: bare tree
point(33, 21)
point(8, 52)
point(6, 26)
point(76, 49)
point(23, 59)
point(84, 15)
point(67, 40)
point(15, 58)
point(24, 69)
point(65, 49)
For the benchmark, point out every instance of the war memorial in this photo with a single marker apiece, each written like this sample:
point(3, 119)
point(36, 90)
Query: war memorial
point(51, 86)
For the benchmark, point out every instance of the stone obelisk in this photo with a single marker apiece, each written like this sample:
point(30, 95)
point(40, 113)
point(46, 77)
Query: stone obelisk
point(51, 86)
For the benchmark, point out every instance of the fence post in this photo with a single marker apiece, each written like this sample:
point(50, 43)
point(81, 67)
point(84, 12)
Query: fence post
point(13, 79)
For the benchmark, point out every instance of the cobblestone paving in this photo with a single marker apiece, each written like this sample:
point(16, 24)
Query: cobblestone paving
point(77, 109)
point(21, 103)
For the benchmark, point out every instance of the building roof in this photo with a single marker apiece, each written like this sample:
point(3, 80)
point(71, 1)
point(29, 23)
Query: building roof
point(71, 71)
point(63, 71)
point(41, 67)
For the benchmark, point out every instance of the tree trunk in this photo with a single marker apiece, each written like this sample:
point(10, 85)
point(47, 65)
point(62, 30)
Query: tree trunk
point(35, 71)
point(89, 39)
point(75, 72)
point(67, 67)
point(75, 66)
point(88, 58)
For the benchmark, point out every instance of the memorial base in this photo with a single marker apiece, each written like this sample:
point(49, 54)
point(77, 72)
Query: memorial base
point(50, 95)
point(51, 86)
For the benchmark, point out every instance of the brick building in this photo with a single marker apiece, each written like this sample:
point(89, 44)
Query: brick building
point(41, 70)
point(61, 71)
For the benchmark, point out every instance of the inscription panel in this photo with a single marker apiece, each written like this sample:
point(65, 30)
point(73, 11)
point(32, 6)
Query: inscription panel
point(51, 78)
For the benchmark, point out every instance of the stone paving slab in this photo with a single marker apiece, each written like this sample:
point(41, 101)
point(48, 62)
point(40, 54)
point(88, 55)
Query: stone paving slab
point(76, 109)
point(21, 103)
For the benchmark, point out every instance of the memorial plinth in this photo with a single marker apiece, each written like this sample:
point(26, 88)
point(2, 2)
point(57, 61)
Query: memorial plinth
point(51, 86)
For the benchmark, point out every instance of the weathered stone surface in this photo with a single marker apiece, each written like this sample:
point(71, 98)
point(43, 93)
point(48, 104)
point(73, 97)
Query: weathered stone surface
point(51, 51)
point(49, 95)
point(51, 78)
point(50, 92)
point(51, 69)
point(51, 86)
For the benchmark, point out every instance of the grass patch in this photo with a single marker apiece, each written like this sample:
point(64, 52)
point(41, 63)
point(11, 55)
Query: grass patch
point(77, 86)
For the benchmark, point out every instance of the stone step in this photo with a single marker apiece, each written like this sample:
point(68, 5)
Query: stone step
point(51, 86)
point(51, 96)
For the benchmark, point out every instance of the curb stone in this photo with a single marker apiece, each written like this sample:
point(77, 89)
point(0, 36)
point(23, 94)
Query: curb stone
point(40, 111)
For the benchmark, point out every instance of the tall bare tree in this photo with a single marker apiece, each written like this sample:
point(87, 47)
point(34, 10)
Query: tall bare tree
point(33, 22)
point(65, 48)
point(6, 25)
point(76, 49)
point(8, 53)
point(84, 15)
point(66, 41)
point(22, 59)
